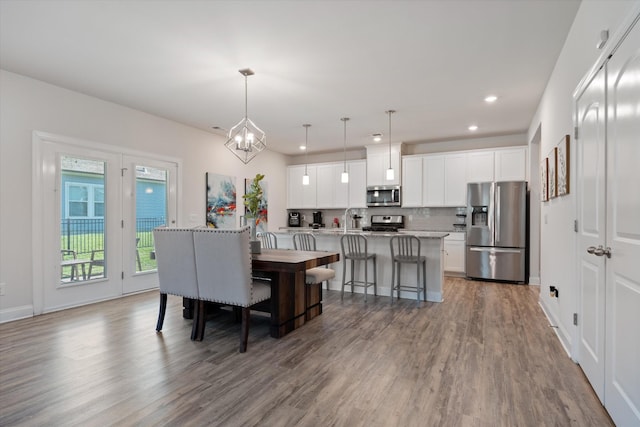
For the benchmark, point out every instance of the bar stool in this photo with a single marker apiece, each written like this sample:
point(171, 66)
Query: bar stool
point(354, 248)
point(406, 250)
point(268, 239)
point(307, 242)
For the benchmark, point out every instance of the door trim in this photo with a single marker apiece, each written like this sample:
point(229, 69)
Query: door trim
point(37, 199)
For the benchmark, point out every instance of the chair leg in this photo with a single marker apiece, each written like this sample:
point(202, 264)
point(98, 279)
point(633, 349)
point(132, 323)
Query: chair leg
point(418, 281)
point(393, 278)
point(375, 276)
point(244, 331)
point(161, 312)
point(353, 268)
point(366, 278)
point(344, 277)
point(199, 322)
point(424, 280)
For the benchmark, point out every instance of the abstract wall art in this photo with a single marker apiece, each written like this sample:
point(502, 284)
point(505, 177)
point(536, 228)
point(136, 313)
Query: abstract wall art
point(221, 201)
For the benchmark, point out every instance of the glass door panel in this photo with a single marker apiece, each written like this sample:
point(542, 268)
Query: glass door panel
point(82, 225)
point(151, 212)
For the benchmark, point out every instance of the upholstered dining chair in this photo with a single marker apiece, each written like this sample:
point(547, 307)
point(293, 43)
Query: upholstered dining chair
point(307, 242)
point(223, 264)
point(268, 239)
point(175, 257)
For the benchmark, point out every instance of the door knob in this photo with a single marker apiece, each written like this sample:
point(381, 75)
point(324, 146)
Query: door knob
point(600, 251)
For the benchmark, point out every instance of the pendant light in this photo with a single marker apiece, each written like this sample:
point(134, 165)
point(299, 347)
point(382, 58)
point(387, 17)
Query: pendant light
point(246, 140)
point(305, 177)
point(344, 178)
point(390, 173)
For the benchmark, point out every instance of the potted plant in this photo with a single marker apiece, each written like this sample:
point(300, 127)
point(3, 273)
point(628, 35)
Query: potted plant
point(252, 200)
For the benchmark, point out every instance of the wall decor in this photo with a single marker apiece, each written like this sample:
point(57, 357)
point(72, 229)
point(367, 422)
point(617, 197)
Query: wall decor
point(563, 170)
point(262, 221)
point(221, 201)
point(553, 173)
point(544, 179)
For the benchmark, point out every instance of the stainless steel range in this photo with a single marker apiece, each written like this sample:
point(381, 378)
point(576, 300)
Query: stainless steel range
point(385, 223)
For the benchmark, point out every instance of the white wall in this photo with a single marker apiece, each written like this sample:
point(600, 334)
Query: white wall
point(555, 117)
point(27, 105)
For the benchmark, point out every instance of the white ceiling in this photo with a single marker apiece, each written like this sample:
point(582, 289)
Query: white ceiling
point(315, 61)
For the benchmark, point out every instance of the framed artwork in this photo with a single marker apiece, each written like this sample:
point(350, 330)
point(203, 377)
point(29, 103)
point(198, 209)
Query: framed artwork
point(563, 166)
point(544, 180)
point(221, 201)
point(553, 173)
point(263, 213)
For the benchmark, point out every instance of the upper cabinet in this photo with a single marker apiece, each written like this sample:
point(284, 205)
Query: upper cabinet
point(511, 164)
point(500, 164)
point(434, 180)
point(325, 189)
point(412, 181)
point(357, 184)
point(455, 179)
point(378, 162)
point(480, 166)
point(301, 196)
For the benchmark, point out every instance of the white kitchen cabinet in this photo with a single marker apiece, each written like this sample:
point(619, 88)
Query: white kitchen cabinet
point(455, 179)
point(480, 166)
point(378, 163)
point(325, 188)
point(433, 181)
point(301, 196)
point(454, 253)
point(511, 164)
point(357, 183)
point(412, 181)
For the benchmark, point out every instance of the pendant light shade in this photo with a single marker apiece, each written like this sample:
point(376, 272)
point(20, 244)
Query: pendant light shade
point(390, 172)
point(344, 178)
point(305, 177)
point(246, 140)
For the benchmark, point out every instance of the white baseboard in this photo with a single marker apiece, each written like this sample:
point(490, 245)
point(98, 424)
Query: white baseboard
point(16, 313)
point(554, 324)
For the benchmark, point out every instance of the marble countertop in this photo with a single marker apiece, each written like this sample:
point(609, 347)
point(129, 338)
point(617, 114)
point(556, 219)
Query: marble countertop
point(340, 231)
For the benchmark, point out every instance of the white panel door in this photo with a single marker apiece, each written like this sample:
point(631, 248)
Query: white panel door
point(591, 230)
point(622, 379)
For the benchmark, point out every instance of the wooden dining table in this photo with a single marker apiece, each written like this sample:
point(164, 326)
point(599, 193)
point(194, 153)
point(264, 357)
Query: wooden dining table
point(292, 302)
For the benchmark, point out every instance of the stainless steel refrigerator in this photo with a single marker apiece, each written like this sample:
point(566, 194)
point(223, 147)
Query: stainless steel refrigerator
point(497, 231)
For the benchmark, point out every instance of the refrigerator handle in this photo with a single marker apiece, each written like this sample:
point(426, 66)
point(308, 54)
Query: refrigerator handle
point(498, 216)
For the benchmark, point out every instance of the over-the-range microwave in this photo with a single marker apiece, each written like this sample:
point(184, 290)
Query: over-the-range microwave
point(384, 195)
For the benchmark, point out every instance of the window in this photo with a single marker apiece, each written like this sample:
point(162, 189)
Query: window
point(84, 200)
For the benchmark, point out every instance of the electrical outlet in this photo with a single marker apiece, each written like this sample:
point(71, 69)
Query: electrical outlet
point(2, 289)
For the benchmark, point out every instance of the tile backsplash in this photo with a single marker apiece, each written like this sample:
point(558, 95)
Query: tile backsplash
point(430, 219)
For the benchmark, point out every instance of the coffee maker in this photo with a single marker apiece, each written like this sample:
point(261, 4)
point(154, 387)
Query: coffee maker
point(317, 220)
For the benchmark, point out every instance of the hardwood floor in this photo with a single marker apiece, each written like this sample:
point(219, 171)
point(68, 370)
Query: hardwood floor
point(486, 356)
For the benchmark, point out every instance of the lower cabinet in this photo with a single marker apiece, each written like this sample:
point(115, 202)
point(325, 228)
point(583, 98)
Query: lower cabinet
point(454, 254)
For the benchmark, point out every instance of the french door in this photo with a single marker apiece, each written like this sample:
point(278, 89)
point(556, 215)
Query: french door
point(95, 209)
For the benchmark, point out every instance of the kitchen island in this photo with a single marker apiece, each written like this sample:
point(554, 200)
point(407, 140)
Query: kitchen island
point(432, 246)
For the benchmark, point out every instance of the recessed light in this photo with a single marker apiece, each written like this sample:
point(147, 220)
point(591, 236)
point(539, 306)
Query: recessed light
point(491, 98)
point(473, 128)
point(303, 147)
point(377, 137)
